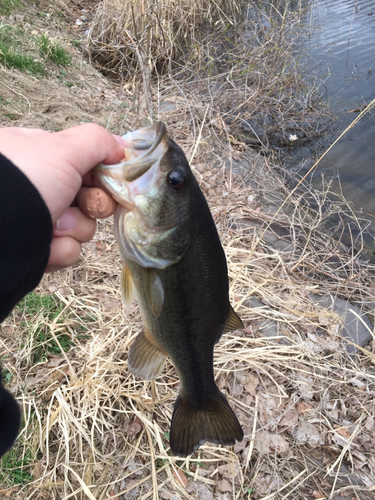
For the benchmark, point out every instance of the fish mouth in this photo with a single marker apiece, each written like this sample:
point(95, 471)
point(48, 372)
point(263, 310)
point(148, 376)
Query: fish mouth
point(146, 138)
point(141, 152)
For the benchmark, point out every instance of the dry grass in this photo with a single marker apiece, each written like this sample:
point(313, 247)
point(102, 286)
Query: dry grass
point(131, 36)
point(248, 75)
point(87, 98)
point(307, 407)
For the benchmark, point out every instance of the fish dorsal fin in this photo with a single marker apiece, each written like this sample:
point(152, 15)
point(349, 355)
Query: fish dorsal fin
point(233, 322)
point(127, 287)
point(146, 357)
point(154, 289)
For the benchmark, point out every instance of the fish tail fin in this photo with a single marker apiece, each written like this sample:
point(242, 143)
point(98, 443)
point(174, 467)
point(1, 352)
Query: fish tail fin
point(146, 358)
point(193, 425)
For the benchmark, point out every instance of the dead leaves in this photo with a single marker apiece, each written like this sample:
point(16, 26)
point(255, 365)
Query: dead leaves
point(268, 481)
point(267, 442)
point(251, 385)
point(199, 490)
point(343, 431)
point(303, 406)
point(306, 390)
point(224, 486)
point(318, 495)
point(8, 492)
point(133, 426)
point(307, 433)
point(289, 420)
point(180, 477)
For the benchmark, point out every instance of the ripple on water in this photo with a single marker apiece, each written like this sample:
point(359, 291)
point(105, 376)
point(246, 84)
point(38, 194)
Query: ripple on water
point(343, 42)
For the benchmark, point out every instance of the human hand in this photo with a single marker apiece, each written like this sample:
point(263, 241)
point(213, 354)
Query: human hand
point(59, 164)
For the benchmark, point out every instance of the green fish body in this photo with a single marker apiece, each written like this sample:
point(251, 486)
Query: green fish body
point(176, 267)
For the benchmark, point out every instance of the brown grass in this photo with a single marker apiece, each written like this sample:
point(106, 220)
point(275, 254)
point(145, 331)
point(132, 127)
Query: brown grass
point(306, 405)
point(99, 433)
point(247, 74)
point(247, 79)
point(128, 36)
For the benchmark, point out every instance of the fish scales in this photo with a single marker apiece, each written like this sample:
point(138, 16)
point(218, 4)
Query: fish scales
point(176, 267)
point(196, 305)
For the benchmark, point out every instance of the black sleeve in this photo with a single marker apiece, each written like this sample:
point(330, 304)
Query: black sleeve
point(10, 418)
point(26, 235)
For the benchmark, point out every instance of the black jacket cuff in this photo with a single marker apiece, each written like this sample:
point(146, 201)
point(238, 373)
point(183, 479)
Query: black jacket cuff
point(26, 235)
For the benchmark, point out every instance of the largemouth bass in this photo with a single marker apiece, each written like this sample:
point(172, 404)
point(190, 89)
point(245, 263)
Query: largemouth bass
point(176, 267)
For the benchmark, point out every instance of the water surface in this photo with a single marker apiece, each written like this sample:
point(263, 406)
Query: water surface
point(342, 49)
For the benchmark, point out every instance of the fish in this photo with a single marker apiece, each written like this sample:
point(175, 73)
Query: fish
point(175, 265)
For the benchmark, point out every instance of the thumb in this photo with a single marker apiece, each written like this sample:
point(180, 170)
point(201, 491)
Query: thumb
point(86, 145)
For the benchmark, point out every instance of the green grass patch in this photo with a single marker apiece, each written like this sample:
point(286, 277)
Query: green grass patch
point(13, 53)
point(35, 303)
point(30, 54)
point(75, 43)
point(15, 466)
point(8, 6)
point(160, 462)
point(6, 376)
point(12, 59)
point(53, 51)
point(11, 36)
point(41, 311)
point(249, 489)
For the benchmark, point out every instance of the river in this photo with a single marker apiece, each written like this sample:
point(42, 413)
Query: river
point(341, 48)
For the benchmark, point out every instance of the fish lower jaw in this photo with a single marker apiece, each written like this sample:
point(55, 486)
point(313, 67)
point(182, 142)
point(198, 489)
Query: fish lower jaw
point(125, 204)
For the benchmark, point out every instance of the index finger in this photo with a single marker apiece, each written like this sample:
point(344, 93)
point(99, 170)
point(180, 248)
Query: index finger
point(86, 145)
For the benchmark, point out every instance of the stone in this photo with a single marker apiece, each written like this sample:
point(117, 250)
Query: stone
point(356, 328)
point(167, 106)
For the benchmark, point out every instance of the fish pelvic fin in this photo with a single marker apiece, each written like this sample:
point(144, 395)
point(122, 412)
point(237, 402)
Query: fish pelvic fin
point(233, 322)
point(127, 287)
point(154, 289)
point(193, 425)
point(146, 358)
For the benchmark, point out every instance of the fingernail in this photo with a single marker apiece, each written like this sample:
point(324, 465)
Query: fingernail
point(66, 222)
point(123, 142)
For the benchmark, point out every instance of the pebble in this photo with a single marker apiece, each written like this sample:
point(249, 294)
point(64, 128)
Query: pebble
point(357, 328)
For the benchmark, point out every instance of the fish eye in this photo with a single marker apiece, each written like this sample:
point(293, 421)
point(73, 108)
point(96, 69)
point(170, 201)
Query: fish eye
point(176, 180)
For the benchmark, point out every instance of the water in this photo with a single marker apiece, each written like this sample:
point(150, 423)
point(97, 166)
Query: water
point(342, 49)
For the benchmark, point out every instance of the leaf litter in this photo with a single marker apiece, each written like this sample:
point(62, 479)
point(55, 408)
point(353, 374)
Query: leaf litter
point(306, 404)
point(290, 398)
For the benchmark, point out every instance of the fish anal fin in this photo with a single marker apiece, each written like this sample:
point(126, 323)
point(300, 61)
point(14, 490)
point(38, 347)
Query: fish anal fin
point(193, 425)
point(154, 289)
point(127, 287)
point(233, 322)
point(146, 358)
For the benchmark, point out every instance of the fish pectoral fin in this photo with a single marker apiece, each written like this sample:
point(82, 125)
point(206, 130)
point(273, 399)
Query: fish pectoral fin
point(154, 289)
point(193, 425)
point(233, 322)
point(146, 358)
point(127, 287)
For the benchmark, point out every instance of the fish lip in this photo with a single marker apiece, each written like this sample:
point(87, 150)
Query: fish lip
point(160, 131)
point(138, 166)
point(130, 170)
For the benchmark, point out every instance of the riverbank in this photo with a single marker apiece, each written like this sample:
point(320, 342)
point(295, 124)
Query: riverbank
point(304, 396)
point(341, 48)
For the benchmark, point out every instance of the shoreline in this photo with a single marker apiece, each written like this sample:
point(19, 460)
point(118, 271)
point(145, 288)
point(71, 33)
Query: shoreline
point(304, 396)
